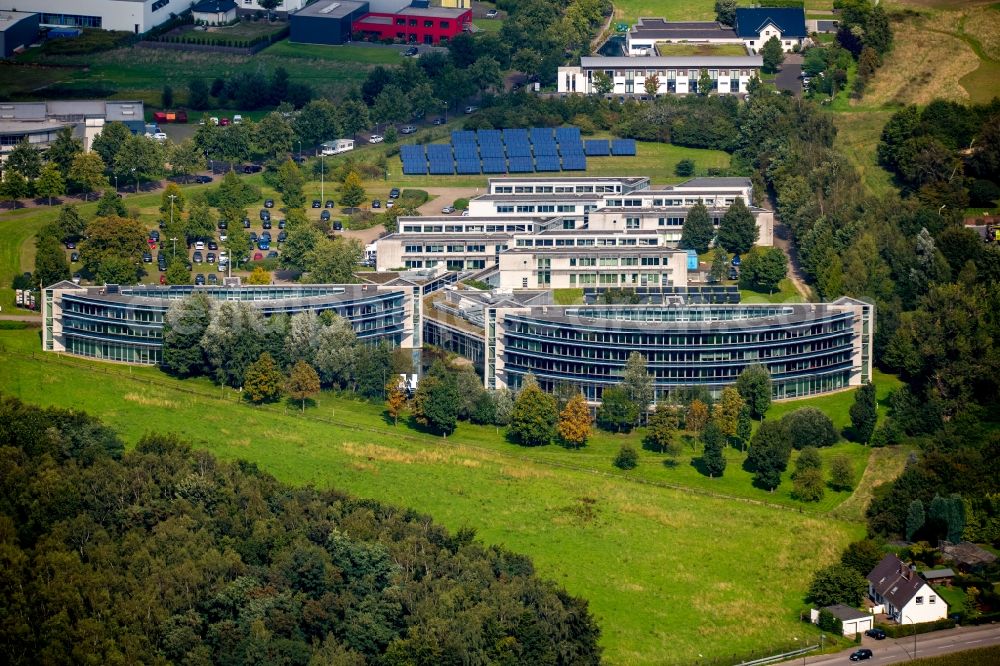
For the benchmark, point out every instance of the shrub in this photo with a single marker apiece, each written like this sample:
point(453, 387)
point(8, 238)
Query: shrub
point(684, 168)
point(414, 198)
point(903, 630)
point(828, 622)
point(627, 457)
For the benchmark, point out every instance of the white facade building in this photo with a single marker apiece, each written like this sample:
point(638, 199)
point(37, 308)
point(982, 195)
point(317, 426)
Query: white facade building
point(642, 39)
point(676, 75)
point(903, 594)
point(129, 15)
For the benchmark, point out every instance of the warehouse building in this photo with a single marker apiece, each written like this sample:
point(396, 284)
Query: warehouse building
point(18, 30)
point(408, 21)
point(40, 122)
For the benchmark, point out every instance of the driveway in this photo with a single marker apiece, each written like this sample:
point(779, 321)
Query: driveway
point(900, 650)
point(788, 77)
point(446, 196)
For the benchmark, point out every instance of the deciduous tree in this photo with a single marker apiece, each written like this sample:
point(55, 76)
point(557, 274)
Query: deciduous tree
point(617, 412)
point(726, 412)
point(25, 159)
point(638, 384)
point(50, 261)
point(303, 382)
point(352, 192)
point(770, 449)
point(263, 381)
point(533, 418)
point(186, 158)
point(762, 269)
point(64, 150)
point(661, 434)
point(697, 416)
point(334, 261)
point(754, 386)
point(111, 139)
point(50, 183)
point(837, 584)
point(574, 422)
point(259, 276)
point(808, 426)
point(773, 55)
point(87, 173)
point(395, 399)
point(714, 441)
point(335, 358)
point(841, 473)
point(184, 326)
point(864, 413)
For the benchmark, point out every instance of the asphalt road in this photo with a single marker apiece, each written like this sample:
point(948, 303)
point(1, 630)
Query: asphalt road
point(900, 650)
point(787, 78)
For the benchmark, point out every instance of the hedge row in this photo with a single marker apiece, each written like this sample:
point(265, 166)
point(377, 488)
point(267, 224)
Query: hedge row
point(903, 630)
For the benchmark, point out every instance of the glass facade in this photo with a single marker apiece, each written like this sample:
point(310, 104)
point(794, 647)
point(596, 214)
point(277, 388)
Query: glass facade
point(807, 350)
point(128, 326)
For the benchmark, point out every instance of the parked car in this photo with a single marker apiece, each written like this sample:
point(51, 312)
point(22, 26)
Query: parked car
point(338, 226)
point(438, 121)
point(733, 274)
point(252, 168)
point(76, 278)
point(266, 236)
point(199, 279)
point(246, 222)
point(863, 654)
point(877, 634)
point(268, 203)
point(736, 260)
point(491, 14)
point(390, 203)
point(253, 236)
point(282, 235)
point(281, 224)
point(163, 279)
point(237, 119)
point(324, 216)
point(317, 203)
point(266, 224)
point(70, 245)
point(224, 225)
point(448, 210)
point(407, 129)
point(74, 257)
point(376, 138)
point(224, 122)
point(471, 109)
point(394, 193)
point(263, 245)
point(376, 203)
point(223, 237)
point(213, 278)
point(210, 258)
point(203, 179)
point(410, 52)
point(258, 256)
point(329, 203)
point(199, 245)
point(197, 257)
point(155, 235)
point(273, 254)
point(147, 258)
point(160, 136)
point(265, 214)
point(212, 245)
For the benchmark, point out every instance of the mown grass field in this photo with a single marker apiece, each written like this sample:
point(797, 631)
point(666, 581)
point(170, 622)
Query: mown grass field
point(976, 657)
point(670, 574)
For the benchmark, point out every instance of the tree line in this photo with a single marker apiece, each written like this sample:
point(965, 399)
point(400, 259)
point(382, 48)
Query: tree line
point(166, 554)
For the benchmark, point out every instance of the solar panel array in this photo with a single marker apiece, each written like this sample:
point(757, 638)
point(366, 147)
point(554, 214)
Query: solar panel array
point(510, 151)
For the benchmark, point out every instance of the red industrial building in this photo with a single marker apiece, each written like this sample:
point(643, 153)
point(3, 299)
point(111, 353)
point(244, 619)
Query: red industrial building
point(415, 25)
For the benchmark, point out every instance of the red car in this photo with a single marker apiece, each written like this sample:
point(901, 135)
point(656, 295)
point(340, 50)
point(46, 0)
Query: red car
point(163, 279)
point(224, 122)
point(257, 256)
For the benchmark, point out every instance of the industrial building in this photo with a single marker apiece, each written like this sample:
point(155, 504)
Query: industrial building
point(408, 21)
point(18, 30)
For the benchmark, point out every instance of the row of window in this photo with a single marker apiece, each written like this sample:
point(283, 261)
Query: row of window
point(618, 261)
point(428, 23)
point(553, 189)
point(588, 242)
point(541, 208)
point(451, 264)
point(663, 202)
point(671, 74)
point(838, 345)
point(467, 229)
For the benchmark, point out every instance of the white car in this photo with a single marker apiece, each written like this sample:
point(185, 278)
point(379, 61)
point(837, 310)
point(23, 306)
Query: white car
point(160, 136)
point(390, 203)
point(471, 109)
point(408, 129)
point(376, 138)
point(237, 119)
point(448, 210)
point(213, 120)
point(199, 245)
point(491, 14)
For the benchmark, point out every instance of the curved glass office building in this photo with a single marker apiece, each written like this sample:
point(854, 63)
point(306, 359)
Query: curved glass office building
point(125, 324)
point(807, 348)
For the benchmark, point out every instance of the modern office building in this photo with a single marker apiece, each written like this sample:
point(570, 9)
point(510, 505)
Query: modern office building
point(643, 37)
point(568, 215)
point(136, 16)
point(676, 75)
point(18, 30)
point(807, 348)
point(119, 323)
point(40, 122)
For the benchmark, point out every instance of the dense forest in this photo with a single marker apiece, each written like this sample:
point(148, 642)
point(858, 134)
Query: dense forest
point(167, 555)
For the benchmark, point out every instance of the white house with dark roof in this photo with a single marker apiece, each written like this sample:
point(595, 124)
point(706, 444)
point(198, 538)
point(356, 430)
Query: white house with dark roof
point(903, 594)
point(756, 25)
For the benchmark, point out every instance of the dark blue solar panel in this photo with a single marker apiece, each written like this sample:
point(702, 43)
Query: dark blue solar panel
point(415, 168)
point(463, 136)
point(567, 134)
point(574, 163)
point(516, 136)
point(546, 148)
point(439, 153)
point(466, 151)
point(521, 165)
point(541, 134)
point(469, 166)
point(442, 168)
point(547, 163)
point(412, 152)
point(571, 148)
point(596, 147)
point(494, 165)
point(518, 150)
point(491, 150)
point(623, 147)
point(488, 136)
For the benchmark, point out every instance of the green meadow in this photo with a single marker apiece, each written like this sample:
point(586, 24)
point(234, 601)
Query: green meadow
point(676, 566)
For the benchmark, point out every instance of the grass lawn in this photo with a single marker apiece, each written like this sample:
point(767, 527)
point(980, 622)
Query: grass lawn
point(837, 405)
point(17, 251)
point(568, 296)
point(955, 596)
point(669, 574)
point(672, 10)
point(700, 49)
point(242, 30)
point(787, 293)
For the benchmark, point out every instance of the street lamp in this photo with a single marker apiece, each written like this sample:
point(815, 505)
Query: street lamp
point(173, 240)
point(136, 180)
point(300, 150)
point(172, 197)
point(116, 182)
point(914, 631)
point(322, 176)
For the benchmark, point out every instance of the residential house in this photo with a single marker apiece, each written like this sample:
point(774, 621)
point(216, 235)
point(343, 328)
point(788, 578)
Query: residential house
point(902, 594)
point(214, 12)
point(756, 25)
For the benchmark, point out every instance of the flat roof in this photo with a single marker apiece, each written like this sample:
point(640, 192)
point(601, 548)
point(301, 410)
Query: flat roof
point(646, 62)
point(717, 181)
point(435, 12)
point(659, 28)
point(334, 9)
point(158, 295)
point(542, 196)
point(378, 20)
point(631, 180)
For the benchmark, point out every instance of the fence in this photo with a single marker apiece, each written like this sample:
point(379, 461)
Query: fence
point(759, 657)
